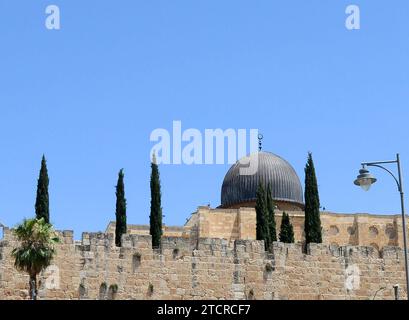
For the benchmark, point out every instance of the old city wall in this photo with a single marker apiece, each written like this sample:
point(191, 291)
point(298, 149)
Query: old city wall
point(205, 268)
point(377, 231)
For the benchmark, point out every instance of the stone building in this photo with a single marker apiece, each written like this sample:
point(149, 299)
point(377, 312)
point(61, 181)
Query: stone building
point(235, 218)
point(215, 255)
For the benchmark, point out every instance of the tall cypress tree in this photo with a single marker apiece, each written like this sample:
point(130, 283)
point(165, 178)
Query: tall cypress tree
point(120, 213)
point(156, 206)
point(262, 232)
point(286, 229)
point(271, 216)
point(312, 225)
point(42, 200)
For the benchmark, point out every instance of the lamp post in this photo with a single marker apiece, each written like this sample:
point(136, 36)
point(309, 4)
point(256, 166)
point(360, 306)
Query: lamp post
point(396, 291)
point(365, 179)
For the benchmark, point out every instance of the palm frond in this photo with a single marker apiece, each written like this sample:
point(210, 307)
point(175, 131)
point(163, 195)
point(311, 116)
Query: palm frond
point(36, 251)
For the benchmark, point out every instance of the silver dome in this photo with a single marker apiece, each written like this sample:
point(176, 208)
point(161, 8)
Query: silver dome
point(272, 169)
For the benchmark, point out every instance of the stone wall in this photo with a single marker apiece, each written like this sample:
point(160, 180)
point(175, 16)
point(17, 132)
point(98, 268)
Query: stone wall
point(142, 229)
point(231, 224)
point(205, 268)
point(338, 229)
point(235, 224)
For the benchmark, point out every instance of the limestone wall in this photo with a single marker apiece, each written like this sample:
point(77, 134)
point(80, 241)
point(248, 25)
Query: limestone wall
point(377, 231)
point(205, 268)
point(142, 229)
point(234, 224)
point(231, 224)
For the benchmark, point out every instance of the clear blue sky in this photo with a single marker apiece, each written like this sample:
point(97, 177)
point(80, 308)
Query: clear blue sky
point(89, 95)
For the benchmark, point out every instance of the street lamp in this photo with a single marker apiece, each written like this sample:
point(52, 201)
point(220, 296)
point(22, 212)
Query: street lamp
point(365, 180)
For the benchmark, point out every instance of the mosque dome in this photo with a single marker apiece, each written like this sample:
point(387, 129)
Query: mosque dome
point(239, 190)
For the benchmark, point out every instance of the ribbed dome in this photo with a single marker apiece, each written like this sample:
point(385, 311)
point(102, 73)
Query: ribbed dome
point(272, 169)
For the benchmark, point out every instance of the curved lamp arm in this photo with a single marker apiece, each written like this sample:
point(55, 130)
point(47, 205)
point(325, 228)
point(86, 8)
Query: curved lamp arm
point(399, 183)
point(387, 170)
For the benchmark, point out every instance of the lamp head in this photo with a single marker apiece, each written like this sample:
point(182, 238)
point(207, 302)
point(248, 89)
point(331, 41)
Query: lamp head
point(365, 179)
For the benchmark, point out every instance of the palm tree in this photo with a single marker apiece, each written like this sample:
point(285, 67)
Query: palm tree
point(37, 248)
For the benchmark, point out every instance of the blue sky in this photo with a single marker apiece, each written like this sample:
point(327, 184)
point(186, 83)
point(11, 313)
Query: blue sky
point(90, 94)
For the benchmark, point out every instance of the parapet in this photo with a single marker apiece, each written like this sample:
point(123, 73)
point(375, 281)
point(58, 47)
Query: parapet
point(216, 246)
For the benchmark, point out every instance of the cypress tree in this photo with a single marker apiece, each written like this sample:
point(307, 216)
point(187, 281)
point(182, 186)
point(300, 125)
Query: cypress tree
point(262, 232)
point(271, 216)
point(286, 229)
point(156, 208)
point(312, 225)
point(120, 213)
point(42, 200)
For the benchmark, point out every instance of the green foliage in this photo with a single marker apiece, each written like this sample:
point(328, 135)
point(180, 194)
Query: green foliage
point(312, 225)
point(262, 230)
point(120, 213)
point(37, 239)
point(155, 217)
point(103, 291)
point(271, 216)
point(36, 250)
point(113, 288)
point(286, 230)
point(42, 199)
